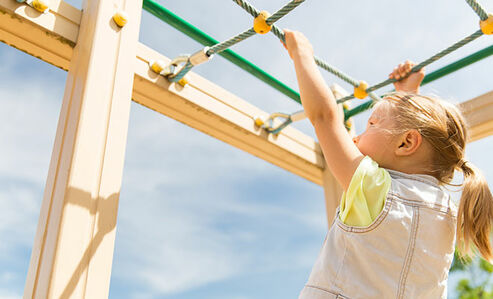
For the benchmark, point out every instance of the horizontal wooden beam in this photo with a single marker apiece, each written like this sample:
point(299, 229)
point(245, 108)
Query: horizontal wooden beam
point(479, 115)
point(49, 37)
point(206, 107)
point(201, 104)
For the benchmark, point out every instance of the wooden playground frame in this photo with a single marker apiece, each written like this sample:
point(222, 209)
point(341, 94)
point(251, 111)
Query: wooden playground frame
point(107, 67)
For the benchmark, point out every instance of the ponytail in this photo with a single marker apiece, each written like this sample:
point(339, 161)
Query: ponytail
point(475, 215)
point(443, 126)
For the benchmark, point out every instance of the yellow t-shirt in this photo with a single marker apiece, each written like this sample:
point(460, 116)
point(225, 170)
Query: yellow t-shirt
point(365, 197)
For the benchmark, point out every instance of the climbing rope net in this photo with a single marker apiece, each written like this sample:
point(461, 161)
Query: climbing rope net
point(263, 23)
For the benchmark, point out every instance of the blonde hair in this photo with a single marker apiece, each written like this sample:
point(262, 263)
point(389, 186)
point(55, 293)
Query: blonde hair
point(442, 125)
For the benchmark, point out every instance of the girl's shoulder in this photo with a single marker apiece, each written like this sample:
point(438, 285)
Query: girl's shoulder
point(421, 190)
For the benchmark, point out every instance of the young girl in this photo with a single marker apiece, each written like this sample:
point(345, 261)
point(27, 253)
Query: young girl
point(395, 229)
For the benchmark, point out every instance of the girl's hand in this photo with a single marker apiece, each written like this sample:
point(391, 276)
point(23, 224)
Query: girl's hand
point(297, 44)
point(411, 83)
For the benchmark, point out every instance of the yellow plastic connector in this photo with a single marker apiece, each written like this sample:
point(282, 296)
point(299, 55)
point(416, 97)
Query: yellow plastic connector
point(487, 25)
point(259, 122)
point(259, 23)
point(183, 82)
point(157, 66)
point(360, 90)
point(120, 18)
point(40, 5)
point(349, 124)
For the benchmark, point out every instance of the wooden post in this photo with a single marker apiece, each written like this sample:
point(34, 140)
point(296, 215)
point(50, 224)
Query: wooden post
point(333, 193)
point(73, 248)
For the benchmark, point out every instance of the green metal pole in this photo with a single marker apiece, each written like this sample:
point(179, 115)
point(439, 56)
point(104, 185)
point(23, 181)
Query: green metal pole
point(175, 21)
point(181, 25)
point(457, 65)
point(450, 68)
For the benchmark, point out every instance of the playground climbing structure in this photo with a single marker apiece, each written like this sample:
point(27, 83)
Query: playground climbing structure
point(107, 68)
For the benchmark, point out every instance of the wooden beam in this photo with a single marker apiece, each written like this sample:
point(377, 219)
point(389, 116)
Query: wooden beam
point(50, 37)
point(207, 107)
point(73, 248)
point(201, 105)
point(479, 116)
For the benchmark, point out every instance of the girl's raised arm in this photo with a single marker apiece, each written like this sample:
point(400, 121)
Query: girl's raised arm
point(340, 152)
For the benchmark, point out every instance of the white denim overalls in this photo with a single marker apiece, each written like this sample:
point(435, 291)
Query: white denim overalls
point(405, 253)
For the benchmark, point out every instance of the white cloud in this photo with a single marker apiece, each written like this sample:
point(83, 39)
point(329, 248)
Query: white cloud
point(7, 294)
point(20, 208)
point(194, 210)
point(198, 241)
point(27, 133)
point(190, 246)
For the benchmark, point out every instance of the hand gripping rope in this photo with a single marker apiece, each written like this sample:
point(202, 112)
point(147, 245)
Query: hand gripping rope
point(358, 85)
point(486, 27)
point(262, 25)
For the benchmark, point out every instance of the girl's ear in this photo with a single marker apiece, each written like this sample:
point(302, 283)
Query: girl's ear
point(409, 143)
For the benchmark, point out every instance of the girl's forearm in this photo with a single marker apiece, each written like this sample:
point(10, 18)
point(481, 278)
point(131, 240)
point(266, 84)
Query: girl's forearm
point(316, 97)
point(340, 152)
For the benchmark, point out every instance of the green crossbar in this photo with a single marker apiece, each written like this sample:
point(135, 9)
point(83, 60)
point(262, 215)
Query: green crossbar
point(183, 26)
point(450, 68)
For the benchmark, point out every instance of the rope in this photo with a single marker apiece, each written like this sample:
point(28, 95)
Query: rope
point(283, 11)
point(280, 34)
point(477, 9)
point(248, 7)
point(218, 48)
point(428, 61)
point(335, 71)
point(254, 12)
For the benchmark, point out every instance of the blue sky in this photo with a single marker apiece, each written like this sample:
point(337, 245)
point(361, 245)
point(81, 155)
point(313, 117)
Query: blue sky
point(199, 218)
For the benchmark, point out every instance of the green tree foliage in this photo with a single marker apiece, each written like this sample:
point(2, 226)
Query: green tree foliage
point(479, 286)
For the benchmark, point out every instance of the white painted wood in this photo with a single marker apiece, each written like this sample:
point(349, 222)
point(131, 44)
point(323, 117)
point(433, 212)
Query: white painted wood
point(73, 248)
point(201, 104)
point(50, 37)
point(479, 116)
point(60, 38)
point(214, 111)
point(223, 114)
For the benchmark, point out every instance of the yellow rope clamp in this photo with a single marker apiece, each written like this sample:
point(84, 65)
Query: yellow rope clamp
point(120, 18)
point(349, 124)
point(487, 25)
point(259, 122)
point(40, 6)
point(360, 90)
point(157, 66)
point(183, 81)
point(259, 23)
